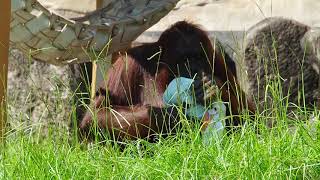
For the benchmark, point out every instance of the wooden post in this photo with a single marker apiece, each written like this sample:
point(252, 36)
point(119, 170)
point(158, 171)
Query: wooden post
point(4, 51)
point(99, 4)
point(94, 64)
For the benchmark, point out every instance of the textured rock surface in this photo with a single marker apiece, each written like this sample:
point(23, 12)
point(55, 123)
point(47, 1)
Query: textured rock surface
point(39, 95)
point(311, 42)
point(274, 47)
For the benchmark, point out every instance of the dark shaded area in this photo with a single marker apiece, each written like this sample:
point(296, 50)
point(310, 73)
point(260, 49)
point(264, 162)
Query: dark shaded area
point(80, 86)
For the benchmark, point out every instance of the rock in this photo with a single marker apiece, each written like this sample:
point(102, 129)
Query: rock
point(39, 95)
point(311, 42)
point(273, 46)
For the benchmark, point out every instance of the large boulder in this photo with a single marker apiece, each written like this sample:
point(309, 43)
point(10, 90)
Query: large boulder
point(276, 60)
point(39, 95)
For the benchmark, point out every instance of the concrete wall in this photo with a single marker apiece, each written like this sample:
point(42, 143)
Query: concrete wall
point(215, 15)
point(239, 15)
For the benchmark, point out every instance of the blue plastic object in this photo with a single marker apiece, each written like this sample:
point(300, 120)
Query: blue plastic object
point(215, 129)
point(179, 91)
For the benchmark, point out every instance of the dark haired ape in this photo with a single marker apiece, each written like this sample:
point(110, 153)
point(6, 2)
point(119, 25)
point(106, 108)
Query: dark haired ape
point(129, 104)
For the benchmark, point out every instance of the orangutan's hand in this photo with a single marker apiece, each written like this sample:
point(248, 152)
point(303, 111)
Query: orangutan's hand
point(205, 89)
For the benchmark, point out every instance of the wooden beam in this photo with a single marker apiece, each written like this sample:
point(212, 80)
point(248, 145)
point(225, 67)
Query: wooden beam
point(4, 51)
point(99, 4)
point(94, 64)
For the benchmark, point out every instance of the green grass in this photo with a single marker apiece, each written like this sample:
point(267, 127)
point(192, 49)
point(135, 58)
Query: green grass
point(289, 150)
point(276, 153)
